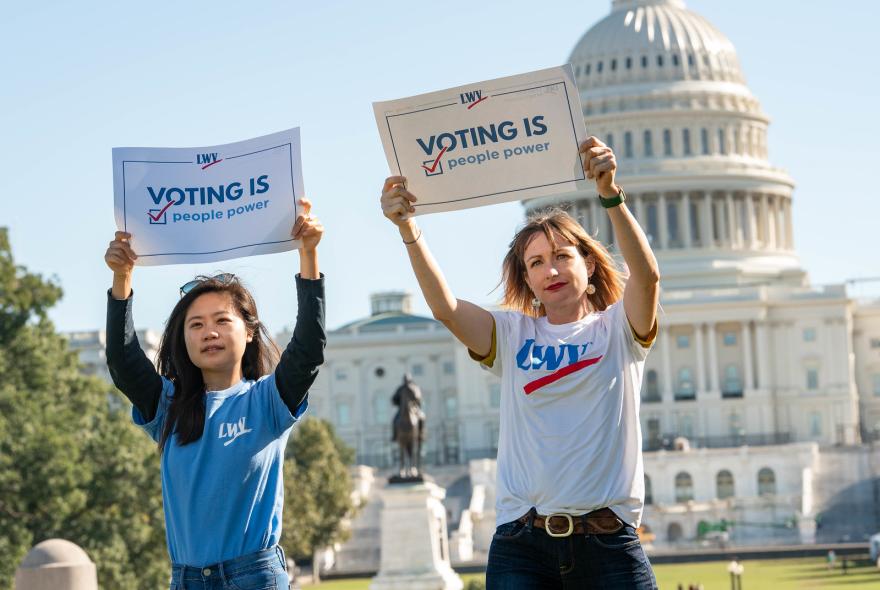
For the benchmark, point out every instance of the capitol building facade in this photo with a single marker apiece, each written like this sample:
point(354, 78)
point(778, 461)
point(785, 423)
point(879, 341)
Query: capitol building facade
point(761, 400)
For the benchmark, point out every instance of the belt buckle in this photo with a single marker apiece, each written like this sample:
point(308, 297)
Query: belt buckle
point(566, 533)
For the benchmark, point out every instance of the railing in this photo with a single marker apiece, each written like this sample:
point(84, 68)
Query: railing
point(667, 441)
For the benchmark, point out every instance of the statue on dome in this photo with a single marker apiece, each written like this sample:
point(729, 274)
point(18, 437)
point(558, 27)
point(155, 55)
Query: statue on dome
point(408, 430)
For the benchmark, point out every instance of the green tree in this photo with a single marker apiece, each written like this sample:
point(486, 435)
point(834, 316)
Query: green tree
point(71, 464)
point(317, 489)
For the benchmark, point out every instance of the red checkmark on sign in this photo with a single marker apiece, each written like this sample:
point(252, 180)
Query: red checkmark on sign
point(161, 213)
point(434, 166)
point(473, 104)
point(212, 163)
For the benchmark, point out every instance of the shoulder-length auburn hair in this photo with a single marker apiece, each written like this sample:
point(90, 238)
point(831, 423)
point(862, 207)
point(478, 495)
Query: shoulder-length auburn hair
point(607, 279)
point(186, 412)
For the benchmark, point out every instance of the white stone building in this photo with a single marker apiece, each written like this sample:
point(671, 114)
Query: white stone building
point(365, 363)
point(773, 382)
point(91, 345)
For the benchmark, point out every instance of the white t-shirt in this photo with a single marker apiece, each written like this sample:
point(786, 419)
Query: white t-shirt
point(570, 439)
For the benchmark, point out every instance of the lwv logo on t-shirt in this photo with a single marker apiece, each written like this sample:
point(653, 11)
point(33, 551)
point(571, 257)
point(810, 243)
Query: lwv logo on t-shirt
point(548, 357)
point(232, 430)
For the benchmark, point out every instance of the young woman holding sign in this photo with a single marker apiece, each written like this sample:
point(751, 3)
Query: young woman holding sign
point(570, 354)
point(220, 415)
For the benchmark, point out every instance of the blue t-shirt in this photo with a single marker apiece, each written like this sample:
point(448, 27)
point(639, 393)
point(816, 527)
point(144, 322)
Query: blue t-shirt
point(223, 494)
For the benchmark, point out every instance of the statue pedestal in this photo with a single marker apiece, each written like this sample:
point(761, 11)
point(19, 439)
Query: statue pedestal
point(415, 550)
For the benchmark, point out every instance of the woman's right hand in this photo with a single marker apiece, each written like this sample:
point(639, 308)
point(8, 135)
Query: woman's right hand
point(397, 201)
point(119, 256)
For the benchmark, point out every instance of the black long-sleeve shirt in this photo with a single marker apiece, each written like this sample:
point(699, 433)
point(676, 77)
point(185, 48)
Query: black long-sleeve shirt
point(136, 377)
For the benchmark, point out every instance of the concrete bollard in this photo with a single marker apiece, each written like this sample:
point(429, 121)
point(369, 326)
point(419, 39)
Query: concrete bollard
point(56, 564)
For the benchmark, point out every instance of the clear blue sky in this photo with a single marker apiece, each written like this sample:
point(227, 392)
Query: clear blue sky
point(80, 78)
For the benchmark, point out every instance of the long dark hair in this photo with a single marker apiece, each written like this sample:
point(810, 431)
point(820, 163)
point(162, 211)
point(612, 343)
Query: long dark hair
point(186, 413)
point(605, 276)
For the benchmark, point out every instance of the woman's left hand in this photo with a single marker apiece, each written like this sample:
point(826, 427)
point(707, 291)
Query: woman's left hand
point(600, 165)
point(307, 228)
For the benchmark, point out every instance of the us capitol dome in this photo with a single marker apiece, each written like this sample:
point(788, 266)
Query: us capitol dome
point(664, 88)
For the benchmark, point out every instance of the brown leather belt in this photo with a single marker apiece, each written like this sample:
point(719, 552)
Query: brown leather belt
point(598, 522)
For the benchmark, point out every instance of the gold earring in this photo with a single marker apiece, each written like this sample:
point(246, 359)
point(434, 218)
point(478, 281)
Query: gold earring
point(591, 288)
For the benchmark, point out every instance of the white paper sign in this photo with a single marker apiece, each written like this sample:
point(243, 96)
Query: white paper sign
point(502, 140)
point(192, 205)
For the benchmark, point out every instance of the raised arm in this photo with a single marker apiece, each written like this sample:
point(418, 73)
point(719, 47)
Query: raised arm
point(642, 291)
point(471, 324)
point(132, 372)
point(299, 363)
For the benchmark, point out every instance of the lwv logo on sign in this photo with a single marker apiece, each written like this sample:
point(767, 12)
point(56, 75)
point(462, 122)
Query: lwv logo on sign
point(233, 430)
point(205, 160)
point(472, 99)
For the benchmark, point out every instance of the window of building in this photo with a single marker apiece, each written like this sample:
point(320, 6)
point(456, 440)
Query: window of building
point(652, 430)
point(495, 395)
point(875, 342)
point(667, 142)
point(652, 227)
point(815, 424)
point(875, 383)
point(672, 224)
point(448, 368)
point(649, 494)
point(729, 339)
point(613, 65)
point(343, 414)
point(577, 71)
point(683, 341)
point(766, 482)
point(675, 61)
point(684, 487)
point(599, 67)
point(724, 485)
point(690, 59)
point(609, 141)
point(732, 383)
point(809, 334)
point(685, 389)
point(734, 425)
point(674, 532)
point(649, 146)
point(722, 142)
point(341, 374)
point(629, 63)
point(644, 61)
point(379, 372)
point(812, 378)
point(494, 431)
point(652, 387)
point(587, 69)
point(418, 370)
point(687, 426)
point(628, 144)
point(451, 403)
point(381, 407)
point(686, 141)
point(659, 61)
point(704, 141)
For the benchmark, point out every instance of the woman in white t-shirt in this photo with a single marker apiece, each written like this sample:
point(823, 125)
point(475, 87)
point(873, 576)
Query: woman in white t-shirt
point(570, 353)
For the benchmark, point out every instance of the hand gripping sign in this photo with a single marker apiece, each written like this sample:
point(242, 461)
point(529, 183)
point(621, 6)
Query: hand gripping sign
point(191, 205)
point(502, 140)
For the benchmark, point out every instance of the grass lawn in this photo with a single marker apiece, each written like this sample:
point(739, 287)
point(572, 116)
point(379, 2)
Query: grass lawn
point(781, 574)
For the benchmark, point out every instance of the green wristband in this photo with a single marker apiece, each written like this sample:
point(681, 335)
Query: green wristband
point(613, 201)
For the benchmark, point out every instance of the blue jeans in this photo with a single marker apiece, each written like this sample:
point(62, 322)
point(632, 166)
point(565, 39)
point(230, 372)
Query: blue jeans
point(522, 557)
point(264, 570)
